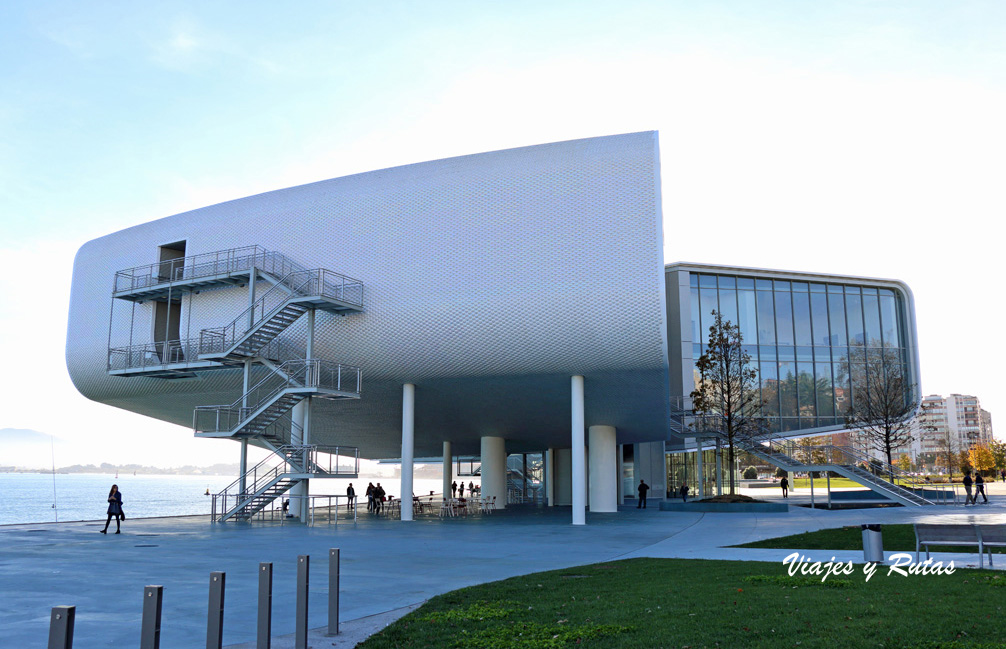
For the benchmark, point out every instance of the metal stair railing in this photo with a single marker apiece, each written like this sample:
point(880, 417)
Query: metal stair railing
point(845, 460)
point(210, 264)
point(306, 283)
point(898, 477)
point(152, 354)
point(285, 459)
point(311, 374)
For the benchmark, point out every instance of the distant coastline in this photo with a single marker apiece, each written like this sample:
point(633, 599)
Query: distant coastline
point(129, 469)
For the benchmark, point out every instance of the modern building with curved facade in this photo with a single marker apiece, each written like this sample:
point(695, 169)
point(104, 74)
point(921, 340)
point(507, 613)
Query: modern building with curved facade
point(506, 302)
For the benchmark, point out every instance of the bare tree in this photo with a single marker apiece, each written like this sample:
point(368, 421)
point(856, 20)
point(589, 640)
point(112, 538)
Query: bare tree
point(883, 399)
point(727, 392)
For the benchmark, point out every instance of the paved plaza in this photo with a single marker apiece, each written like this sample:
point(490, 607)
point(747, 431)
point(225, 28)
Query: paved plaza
point(387, 565)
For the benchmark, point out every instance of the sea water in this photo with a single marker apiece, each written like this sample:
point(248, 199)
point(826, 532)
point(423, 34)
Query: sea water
point(45, 498)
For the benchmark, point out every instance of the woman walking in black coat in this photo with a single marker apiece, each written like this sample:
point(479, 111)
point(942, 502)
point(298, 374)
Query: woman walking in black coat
point(114, 509)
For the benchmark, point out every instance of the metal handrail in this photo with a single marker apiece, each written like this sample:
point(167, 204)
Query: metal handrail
point(208, 264)
point(307, 374)
point(186, 351)
point(318, 282)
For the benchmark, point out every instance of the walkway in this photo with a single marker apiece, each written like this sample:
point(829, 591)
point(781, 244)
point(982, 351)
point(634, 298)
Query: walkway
point(386, 564)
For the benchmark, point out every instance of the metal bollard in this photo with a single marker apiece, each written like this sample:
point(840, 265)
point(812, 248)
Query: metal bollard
point(61, 627)
point(215, 612)
point(333, 591)
point(264, 635)
point(303, 566)
point(150, 631)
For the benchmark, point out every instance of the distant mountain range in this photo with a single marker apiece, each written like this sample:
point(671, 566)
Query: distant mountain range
point(30, 451)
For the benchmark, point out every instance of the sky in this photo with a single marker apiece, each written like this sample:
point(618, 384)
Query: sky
point(858, 138)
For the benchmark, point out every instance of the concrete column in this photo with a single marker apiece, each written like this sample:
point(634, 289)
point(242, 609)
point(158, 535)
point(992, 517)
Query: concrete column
point(619, 471)
point(408, 445)
point(698, 469)
point(448, 470)
point(243, 466)
point(603, 463)
point(310, 333)
point(494, 470)
point(550, 477)
point(246, 383)
point(578, 452)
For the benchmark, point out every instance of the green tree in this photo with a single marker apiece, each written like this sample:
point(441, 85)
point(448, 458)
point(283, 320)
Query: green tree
point(905, 462)
point(726, 397)
point(998, 453)
point(981, 458)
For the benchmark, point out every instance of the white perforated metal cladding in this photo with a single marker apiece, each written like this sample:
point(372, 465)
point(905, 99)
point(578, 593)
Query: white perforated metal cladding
point(489, 280)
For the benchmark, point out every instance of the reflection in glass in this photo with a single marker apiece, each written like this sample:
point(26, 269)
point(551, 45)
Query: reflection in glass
point(783, 318)
point(766, 319)
point(801, 318)
point(871, 316)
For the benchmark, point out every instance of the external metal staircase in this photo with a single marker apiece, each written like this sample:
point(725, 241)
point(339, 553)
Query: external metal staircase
point(254, 337)
point(899, 486)
point(276, 475)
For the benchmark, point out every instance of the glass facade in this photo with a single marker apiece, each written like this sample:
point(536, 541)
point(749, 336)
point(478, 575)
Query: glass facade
point(806, 339)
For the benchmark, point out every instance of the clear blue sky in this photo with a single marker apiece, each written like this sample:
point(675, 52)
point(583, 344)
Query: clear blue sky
point(863, 138)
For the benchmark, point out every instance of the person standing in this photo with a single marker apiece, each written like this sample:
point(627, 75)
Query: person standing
point(454, 489)
point(642, 489)
point(784, 483)
point(350, 496)
point(471, 489)
point(980, 488)
point(379, 498)
point(461, 490)
point(684, 493)
point(114, 509)
point(967, 488)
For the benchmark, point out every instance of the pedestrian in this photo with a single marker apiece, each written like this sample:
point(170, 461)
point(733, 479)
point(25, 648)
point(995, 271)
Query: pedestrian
point(461, 490)
point(684, 492)
point(350, 496)
point(642, 489)
point(1003, 475)
point(379, 498)
point(114, 509)
point(454, 489)
point(370, 497)
point(967, 487)
point(471, 489)
point(980, 488)
point(784, 483)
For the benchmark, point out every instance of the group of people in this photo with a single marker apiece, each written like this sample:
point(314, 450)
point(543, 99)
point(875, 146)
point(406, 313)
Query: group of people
point(979, 485)
point(376, 497)
point(458, 490)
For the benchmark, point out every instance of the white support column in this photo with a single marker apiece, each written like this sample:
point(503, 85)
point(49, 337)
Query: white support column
point(698, 469)
point(603, 488)
point(719, 468)
point(298, 491)
point(305, 502)
point(408, 445)
point(310, 333)
point(243, 466)
point(578, 452)
point(494, 470)
point(550, 477)
point(448, 470)
point(620, 471)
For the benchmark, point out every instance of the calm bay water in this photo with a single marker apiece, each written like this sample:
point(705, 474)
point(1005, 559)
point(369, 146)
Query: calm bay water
point(28, 497)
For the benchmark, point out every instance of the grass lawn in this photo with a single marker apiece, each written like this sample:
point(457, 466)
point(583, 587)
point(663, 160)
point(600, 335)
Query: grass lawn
point(822, 483)
point(652, 603)
point(896, 537)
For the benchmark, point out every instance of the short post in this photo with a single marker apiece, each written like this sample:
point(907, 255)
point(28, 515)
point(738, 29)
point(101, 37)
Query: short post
point(300, 637)
point(333, 591)
point(215, 613)
point(61, 627)
point(150, 630)
point(264, 630)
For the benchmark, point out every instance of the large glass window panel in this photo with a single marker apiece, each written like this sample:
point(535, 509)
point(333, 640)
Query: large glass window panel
point(693, 279)
point(696, 313)
point(805, 353)
point(817, 288)
point(728, 305)
point(854, 318)
point(766, 318)
point(871, 318)
point(836, 318)
point(889, 320)
point(787, 388)
point(747, 316)
point(819, 317)
point(707, 304)
point(841, 386)
point(769, 373)
point(784, 318)
point(726, 281)
point(825, 393)
point(801, 319)
point(805, 388)
point(707, 281)
point(745, 282)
